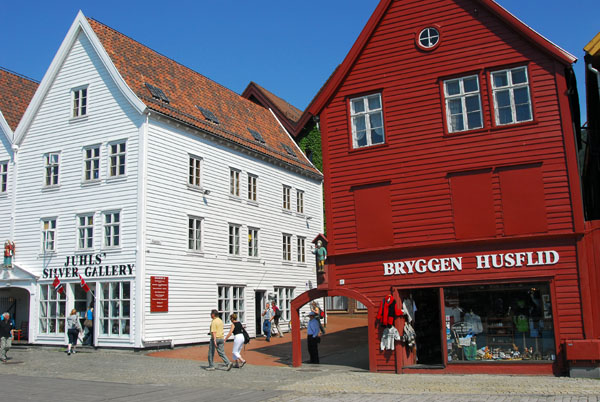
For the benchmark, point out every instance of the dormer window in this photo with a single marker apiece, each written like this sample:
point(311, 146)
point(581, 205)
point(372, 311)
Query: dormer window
point(79, 102)
point(366, 115)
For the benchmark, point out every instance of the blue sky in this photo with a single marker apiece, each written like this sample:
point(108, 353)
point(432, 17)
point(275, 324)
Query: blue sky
point(289, 47)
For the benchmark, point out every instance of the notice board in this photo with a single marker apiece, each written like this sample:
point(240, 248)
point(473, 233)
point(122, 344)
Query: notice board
point(159, 294)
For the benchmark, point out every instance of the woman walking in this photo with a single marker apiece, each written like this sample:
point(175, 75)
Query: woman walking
point(238, 340)
point(73, 331)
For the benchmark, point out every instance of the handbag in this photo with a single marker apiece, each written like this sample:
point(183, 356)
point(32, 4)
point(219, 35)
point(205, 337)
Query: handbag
point(246, 336)
point(88, 323)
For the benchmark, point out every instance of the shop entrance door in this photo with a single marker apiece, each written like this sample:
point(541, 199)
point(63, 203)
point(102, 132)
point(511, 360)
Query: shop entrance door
point(428, 327)
point(259, 303)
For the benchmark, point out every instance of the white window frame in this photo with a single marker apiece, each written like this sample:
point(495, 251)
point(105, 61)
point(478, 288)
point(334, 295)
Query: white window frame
point(429, 37)
point(115, 310)
point(511, 88)
point(301, 249)
point(195, 171)
point(3, 177)
point(287, 198)
point(49, 235)
point(234, 240)
point(462, 97)
point(366, 114)
point(79, 98)
point(283, 299)
point(85, 231)
point(51, 169)
point(300, 201)
point(53, 308)
point(112, 229)
point(286, 243)
point(252, 187)
point(253, 242)
point(117, 159)
point(91, 163)
point(231, 299)
point(195, 240)
point(234, 182)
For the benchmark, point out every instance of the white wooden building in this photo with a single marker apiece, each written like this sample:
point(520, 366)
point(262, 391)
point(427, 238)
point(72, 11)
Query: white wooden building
point(138, 173)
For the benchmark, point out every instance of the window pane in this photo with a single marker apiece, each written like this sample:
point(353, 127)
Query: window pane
point(374, 102)
point(505, 115)
point(519, 76)
point(523, 112)
point(358, 106)
point(472, 103)
point(457, 123)
point(453, 87)
point(500, 79)
point(470, 84)
point(521, 95)
point(375, 120)
point(377, 136)
point(360, 123)
point(503, 98)
point(474, 120)
point(361, 138)
point(455, 106)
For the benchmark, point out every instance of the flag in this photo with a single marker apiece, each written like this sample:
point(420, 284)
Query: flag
point(84, 285)
point(58, 286)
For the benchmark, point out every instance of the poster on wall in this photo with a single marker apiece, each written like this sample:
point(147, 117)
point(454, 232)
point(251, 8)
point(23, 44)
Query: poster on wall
point(159, 294)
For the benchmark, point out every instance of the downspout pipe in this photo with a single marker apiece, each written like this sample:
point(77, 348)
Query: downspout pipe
point(597, 73)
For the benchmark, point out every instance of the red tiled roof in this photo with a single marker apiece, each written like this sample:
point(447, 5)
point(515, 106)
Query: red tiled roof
point(291, 112)
point(17, 92)
point(187, 89)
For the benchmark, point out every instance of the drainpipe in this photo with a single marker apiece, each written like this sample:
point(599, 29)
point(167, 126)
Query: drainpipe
point(593, 70)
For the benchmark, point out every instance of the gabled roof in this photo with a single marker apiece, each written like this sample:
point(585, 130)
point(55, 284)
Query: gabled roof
point(190, 94)
point(17, 91)
point(593, 48)
point(328, 90)
point(288, 114)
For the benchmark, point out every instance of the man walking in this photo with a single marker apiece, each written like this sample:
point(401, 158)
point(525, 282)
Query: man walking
point(6, 336)
point(312, 333)
point(217, 342)
point(268, 316)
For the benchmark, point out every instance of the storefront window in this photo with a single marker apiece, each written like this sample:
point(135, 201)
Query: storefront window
point(336, 303)
point(508, 322)
point(52, 310)
point(114, 309)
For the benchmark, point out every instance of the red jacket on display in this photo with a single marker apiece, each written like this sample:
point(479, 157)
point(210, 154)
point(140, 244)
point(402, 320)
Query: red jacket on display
point(388, 311)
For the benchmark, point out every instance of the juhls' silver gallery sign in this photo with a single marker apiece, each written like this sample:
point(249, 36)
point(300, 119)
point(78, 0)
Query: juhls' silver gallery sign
point(485, 261)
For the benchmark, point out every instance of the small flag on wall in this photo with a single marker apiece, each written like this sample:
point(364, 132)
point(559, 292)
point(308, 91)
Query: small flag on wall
point(58, 286)
point(84, 285)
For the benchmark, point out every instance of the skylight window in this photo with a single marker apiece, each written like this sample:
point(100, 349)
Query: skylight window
point(288, 150)
point(257, 136)
point(157, 93)
point(208, 115)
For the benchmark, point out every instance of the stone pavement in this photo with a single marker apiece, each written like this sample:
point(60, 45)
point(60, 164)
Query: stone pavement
point(33, 373)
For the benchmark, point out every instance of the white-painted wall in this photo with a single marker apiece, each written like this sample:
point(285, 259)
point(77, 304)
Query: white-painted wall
point(6, 155)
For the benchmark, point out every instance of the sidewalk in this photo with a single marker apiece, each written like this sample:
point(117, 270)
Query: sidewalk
point(344, 344)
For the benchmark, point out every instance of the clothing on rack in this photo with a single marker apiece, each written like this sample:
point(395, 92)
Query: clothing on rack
point(409, 336)
point(389, 338)
point(388, 311)
point(473, 323)
point(409, 308)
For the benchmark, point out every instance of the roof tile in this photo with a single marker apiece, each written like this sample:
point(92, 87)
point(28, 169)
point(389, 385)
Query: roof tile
point(17, 92)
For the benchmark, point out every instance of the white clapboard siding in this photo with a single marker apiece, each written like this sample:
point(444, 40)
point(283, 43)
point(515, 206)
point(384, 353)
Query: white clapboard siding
point(109, 117)
point(5, 198)
point(193, 277)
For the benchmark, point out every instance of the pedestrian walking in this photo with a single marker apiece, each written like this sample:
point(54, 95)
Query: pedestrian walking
point(268, 317)
point(6, 336)
point(88, 332)
point(73, 331)
point(238, 340)
point(313, 339)
point(217, 342)
point(276, 318)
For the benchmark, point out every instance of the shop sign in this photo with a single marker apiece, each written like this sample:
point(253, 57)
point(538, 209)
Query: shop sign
point(88, 265)
point(483, 262)
point(159, 294)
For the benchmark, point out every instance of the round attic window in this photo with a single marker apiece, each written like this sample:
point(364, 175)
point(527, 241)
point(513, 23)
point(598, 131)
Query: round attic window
point(429, 38)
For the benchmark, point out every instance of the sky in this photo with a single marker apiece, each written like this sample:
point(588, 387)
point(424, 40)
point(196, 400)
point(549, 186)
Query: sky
point(289, 47)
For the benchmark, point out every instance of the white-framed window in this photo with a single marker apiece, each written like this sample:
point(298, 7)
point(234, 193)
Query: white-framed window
point(234, 182)
point(287, 247)
point(252, 187)
point(91, 163)
point(79, 102)
point(287, 197)
point(336, 303)
point(234, 239)
point(366, 115)
point(429, 37)
point(112, 229)
point(301, 249)
point(194, 233)
point(283, 300)
point(512, 100)
point(85, 231)
point(195, 170)
point(3, 177)
point(300, 201)
point(115, 305)
point(463, 104)
point(117, 158)
point(51, 165)
point(48, 235)
point(231, 300)
point(252, 242)
point(53, 307)
point(360, 306)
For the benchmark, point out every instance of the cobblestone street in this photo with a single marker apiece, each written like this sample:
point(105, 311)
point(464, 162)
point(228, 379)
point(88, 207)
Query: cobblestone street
point(36, 373)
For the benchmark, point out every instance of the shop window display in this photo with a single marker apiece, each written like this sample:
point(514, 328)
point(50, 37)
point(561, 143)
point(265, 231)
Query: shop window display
point(508, 322)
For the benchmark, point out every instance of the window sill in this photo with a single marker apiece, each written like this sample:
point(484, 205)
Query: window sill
point(489, 130)
point(78, 118)
point(255, 260)
point(195, 253)
point(253, 203)
point(111, 250)
point(368, 148)
point(51, 188)
point(197, 189)
point(286, 211)
point(4, 195)
point(84, 251)
point(89, 183)
point(234, 258)
point(47, 254)
point(300, 215)
point(301, 264)
point(116, 179)
point(235, 198)
point(287, 263)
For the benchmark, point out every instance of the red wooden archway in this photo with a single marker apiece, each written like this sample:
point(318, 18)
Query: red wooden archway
point(313, 294)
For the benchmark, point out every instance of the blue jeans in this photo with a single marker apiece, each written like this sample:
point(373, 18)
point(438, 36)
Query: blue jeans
point(267, 329)
point(220, 351)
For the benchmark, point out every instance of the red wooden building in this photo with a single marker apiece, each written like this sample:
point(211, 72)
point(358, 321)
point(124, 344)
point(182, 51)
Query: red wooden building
point(451, 181)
